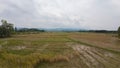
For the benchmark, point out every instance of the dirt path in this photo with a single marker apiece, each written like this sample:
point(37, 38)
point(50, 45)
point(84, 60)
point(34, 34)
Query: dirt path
point(96, 58)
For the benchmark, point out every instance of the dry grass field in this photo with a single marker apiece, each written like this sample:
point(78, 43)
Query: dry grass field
point(60, 50)
point(107, 41)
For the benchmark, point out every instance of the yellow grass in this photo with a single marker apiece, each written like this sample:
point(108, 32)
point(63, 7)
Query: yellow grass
point(58, 50)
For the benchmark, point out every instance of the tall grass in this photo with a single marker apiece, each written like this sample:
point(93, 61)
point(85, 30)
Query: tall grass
point(28, 61)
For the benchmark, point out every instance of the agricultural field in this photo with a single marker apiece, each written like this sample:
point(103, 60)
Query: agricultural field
point(60, 50)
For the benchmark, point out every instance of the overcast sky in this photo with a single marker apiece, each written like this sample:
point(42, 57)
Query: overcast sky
point(89, 14)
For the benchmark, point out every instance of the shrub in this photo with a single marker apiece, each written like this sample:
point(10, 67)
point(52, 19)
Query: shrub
point(119, 32)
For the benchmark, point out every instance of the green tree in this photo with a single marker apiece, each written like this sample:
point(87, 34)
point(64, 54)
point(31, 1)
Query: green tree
point(6, 29)
point(119, 32)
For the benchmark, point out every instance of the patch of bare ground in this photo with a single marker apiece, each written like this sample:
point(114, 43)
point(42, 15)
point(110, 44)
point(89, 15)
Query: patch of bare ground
point(18, 47)
point(93, 57)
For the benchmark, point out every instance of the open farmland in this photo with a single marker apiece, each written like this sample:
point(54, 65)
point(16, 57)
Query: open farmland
point(60, 50)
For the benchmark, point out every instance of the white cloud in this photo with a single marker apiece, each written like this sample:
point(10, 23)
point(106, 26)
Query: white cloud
point(93, 14)
point(2, 7)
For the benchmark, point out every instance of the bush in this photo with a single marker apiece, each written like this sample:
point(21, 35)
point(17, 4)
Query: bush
point(119, 32)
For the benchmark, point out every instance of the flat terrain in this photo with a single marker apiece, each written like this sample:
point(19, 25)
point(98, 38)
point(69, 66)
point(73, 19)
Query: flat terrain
point(60, 50)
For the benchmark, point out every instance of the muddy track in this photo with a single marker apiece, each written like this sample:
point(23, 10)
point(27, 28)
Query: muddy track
point(96, 58)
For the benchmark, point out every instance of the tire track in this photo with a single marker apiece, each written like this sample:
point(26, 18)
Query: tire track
point(96, 58)
point(107, 62)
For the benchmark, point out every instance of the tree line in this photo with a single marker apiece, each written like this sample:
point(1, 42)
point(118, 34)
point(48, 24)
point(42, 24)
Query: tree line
point(7, 29)
point(28, 30)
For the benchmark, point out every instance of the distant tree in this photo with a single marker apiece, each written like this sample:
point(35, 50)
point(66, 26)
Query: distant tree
point(30, 30)
point(6, 29)
point(119, 32)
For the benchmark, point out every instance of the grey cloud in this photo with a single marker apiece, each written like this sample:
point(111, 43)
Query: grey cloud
point(92, 14)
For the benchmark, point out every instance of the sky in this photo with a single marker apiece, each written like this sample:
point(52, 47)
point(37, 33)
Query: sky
point(82, 14)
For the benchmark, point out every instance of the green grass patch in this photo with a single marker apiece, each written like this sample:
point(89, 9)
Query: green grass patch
point(20, 52)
